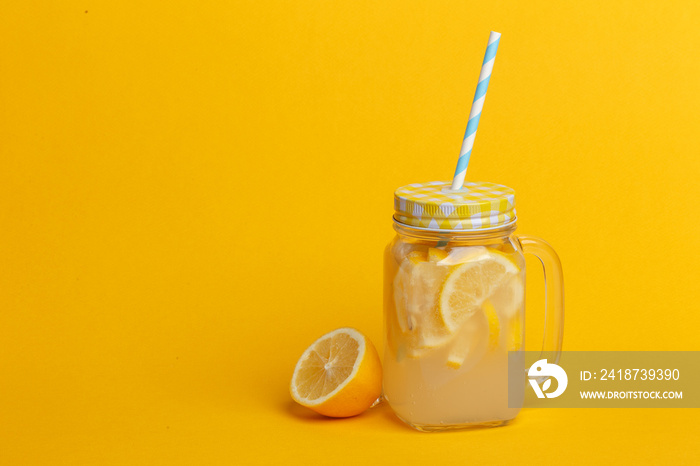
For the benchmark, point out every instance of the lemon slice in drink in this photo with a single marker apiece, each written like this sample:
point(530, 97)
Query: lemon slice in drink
point(470, 344)
point(339, 375)
point(494, 324)
point(508, 296)
point(515, 335)
point(416, 291)
point(463, 254)
point(470, 284)
point(481, 333)
point(436, 255)
point(404, 295)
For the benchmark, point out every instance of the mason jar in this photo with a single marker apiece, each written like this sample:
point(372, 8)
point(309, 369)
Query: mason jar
point(454, 305)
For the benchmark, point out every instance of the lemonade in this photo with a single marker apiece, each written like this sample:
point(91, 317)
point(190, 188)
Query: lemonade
point(452, 313)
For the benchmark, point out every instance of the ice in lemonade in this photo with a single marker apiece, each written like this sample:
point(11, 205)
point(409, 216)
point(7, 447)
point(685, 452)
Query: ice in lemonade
point(452, 314)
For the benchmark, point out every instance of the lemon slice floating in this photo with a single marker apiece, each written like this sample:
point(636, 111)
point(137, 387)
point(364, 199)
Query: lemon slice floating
point(339, 375)
point(436, 255)
point(481, 333)
point(416, 292)
point(470, 345)
point(404, 295)
point(494, 324)
point(470, 284)
point(515, 337)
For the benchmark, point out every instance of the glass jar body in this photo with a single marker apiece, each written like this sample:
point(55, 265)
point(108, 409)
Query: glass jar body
point(453, 309)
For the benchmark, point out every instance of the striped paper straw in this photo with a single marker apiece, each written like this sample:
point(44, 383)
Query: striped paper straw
point(475, 114)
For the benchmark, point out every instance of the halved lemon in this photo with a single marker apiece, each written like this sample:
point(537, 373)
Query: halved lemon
point(470, 284)
point(339, 375)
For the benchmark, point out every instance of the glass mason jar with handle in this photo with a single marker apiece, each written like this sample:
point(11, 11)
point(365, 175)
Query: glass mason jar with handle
point(454, 304)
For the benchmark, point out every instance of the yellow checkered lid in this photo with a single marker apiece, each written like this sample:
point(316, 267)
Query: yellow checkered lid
point(477, 206)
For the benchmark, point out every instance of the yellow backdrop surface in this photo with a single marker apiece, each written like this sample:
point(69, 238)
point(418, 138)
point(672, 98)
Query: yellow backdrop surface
point(192, 192)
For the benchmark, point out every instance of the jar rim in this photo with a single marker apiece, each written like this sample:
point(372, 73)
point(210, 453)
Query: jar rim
point(500, 230)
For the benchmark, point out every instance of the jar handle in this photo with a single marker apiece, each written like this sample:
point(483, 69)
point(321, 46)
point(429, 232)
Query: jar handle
point(554, 295)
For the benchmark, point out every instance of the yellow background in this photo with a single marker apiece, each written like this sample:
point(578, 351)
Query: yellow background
point(192, 192)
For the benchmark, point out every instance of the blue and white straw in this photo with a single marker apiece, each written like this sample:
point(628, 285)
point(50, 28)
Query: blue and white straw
point(475, 114)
